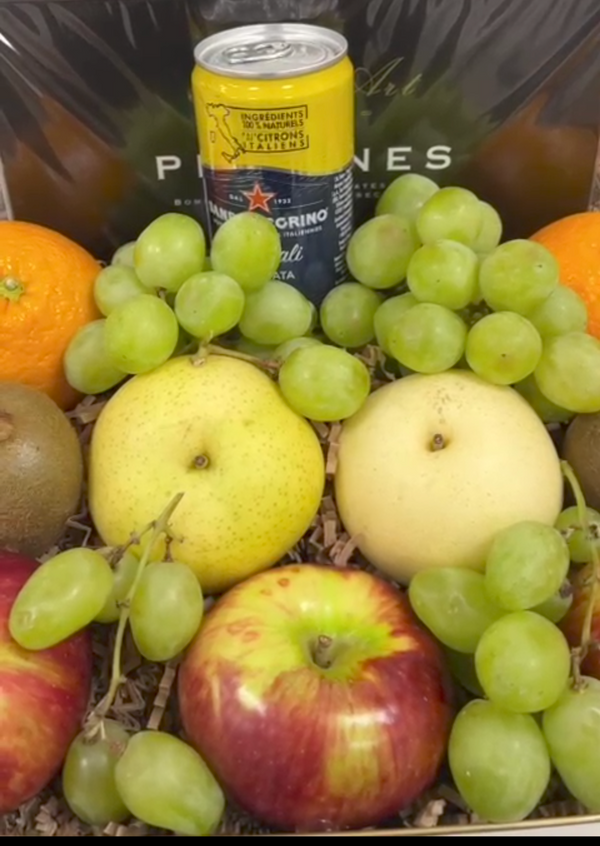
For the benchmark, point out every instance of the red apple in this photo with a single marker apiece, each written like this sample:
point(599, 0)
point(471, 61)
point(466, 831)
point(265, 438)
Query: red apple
point(317, 699)
point(574, 622)
point(43, 698)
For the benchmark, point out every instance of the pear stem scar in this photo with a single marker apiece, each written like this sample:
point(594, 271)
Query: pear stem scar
point(438, 442)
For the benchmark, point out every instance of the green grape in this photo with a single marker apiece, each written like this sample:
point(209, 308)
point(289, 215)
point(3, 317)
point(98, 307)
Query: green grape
point(125, 255)
point(503, 348)
point(88, 367)
point(285, 350)
point(88, 780)
point(406, 195)
point(523, 663)
point(452, 602)
point(546, 410)
point(387, 316)
point(347, 314)
point(569, 372)
point(247, 247)
point(124, 577)
point(564, 311)
point(62, 597)
point(490, 231)
point(462, 667)
point(165, 784)
point(274, 314)
point(380, 250)
point(166, 611)
point(170, 250)
point(453, 214)
point(444, 273)
point(428, 338)
point(557, 607)
point(209, 304)
point(115, 285)
point(324, 383)
point(572, 731)
point(579, 541)
point(526, 566)
point(141, 334)
point(518, 276)
point(499, 762)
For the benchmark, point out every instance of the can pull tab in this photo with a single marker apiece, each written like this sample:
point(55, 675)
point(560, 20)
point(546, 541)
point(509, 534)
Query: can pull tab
point(258, 52)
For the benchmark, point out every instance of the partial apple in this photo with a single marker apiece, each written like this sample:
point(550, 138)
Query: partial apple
point(316, 699)
point(573, 624)
point(433, 467)
point(43, 698)
point(218, 431)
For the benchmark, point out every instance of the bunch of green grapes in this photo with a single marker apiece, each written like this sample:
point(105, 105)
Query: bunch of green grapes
point(162, 290)
point(109, 775)
point(431, 284)
point(498, 309)
point(161, 294)
point(500, 630)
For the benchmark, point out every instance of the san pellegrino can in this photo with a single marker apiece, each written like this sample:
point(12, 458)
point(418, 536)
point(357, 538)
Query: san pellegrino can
point(274, 105)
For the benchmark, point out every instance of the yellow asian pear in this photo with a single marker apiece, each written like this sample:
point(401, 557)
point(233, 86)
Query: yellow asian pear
point(251, 470)
point(432, 467)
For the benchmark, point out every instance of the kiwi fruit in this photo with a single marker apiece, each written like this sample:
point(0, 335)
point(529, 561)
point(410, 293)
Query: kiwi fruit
point(581, 448)
point(41, 470)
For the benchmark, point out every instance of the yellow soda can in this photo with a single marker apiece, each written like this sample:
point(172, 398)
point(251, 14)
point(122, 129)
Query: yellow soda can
point(274, 106)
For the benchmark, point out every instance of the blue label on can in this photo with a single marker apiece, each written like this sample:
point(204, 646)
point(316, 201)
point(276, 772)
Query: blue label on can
point(313, 215)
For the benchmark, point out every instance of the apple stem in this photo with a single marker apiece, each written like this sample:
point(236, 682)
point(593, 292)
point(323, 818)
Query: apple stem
point(581, 652)
point(157, 527)
point(322, 652)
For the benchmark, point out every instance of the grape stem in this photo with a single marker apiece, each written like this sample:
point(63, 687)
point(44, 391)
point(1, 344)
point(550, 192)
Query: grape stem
point(207, 349)
point(586, 644)
point(116, 553)
point(157, 527)
point(271, 366)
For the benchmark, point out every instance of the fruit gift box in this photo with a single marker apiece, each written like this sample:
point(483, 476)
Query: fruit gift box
point(271, 568)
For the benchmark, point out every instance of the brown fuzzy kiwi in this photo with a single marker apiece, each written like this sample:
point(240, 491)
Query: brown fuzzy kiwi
point(41, 470)
point(581, 449)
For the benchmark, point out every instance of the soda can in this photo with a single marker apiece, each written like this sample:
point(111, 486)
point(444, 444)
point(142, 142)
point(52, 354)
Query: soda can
point(274, 106)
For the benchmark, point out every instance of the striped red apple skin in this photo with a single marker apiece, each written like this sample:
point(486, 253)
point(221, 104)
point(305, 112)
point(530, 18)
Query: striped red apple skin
point(309, 748)
point(43, 698)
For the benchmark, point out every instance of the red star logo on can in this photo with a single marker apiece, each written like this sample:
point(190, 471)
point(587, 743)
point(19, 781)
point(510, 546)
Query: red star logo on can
point(258, 199)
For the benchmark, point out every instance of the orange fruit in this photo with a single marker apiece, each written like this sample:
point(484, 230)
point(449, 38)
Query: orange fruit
point(46, 295)
point(575, 242)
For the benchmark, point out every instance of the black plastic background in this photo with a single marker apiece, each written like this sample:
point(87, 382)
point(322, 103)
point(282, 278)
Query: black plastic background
point(92, 91)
